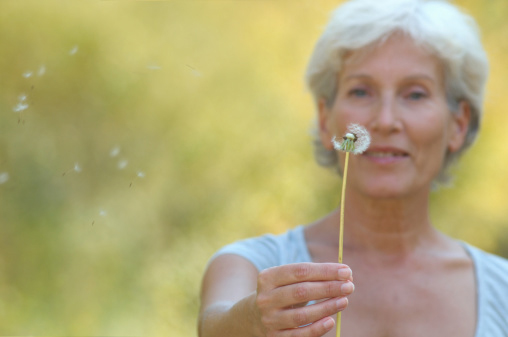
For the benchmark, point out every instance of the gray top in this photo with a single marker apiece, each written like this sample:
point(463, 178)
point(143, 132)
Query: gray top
point(491, 273)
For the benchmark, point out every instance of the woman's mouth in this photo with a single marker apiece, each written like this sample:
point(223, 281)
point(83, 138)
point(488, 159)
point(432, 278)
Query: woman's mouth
point(386, 155)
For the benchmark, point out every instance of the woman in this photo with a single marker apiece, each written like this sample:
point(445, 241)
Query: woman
point(413, 73)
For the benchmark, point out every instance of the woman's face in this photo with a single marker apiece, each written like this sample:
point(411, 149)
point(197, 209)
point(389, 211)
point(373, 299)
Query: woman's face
point(396, 90)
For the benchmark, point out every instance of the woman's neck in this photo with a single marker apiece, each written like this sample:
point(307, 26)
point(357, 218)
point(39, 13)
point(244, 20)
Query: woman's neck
point(384, 226)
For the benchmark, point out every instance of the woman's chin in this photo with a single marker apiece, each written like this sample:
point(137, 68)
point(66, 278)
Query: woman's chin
point(394, 188)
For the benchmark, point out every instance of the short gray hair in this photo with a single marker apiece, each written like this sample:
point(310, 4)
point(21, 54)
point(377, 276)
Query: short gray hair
point(441, 27)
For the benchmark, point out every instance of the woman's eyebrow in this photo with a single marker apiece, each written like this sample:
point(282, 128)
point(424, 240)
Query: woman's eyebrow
point(357, 76)
point(424, 77)
point(409, 78)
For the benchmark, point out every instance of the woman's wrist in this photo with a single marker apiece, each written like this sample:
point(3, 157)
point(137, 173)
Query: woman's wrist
point(231, 319)
point(247, 315)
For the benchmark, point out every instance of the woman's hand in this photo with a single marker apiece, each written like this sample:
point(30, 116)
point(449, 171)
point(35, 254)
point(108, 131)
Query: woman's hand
point(284, 291)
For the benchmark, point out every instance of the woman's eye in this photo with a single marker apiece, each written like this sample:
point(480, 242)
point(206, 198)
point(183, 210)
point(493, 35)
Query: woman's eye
point(416, 95)
point(358, 93)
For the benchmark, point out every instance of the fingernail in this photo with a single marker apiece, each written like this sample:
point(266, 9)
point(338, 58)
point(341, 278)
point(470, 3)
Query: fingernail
point(344, 273)
point(328, 324)
point(341, 303)
point(347, 288)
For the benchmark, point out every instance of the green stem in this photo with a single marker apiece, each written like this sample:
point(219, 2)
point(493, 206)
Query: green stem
point(341, 231)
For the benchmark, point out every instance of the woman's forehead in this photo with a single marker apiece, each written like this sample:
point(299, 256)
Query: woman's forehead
point(397, 55)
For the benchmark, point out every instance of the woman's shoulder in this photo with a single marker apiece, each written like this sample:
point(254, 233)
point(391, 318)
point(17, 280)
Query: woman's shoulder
point(270, 250)
point(491, 271)
point(488, 263)
point(492, 291)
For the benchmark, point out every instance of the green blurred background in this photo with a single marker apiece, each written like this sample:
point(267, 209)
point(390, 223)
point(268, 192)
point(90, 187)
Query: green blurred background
point(136, 138)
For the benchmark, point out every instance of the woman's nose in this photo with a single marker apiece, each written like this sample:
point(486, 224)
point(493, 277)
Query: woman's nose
point(385, 117)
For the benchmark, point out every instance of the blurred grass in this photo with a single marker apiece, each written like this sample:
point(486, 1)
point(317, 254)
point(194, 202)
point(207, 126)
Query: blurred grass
point(205, 101)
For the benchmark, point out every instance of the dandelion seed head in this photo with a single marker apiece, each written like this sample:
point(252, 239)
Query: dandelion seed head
point(356, 140)
point(77, 168)
point(4, 177)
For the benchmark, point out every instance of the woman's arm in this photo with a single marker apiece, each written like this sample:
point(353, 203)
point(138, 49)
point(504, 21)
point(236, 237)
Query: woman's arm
point(228, 293)
point(238, 301)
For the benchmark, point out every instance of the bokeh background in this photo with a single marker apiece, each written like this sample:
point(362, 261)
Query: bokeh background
point(136, 138)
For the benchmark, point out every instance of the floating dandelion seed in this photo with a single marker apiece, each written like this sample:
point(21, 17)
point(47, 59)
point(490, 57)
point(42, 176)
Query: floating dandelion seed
point(76, 168)
point(195, 72)
point(102, 213)
point(42, 70)
point(27, 74)
point(114, 151)
point(140, 174)
point(4, 177)
point(74, 50)
point(356, 140)
point(20, 107)
point(122, 164)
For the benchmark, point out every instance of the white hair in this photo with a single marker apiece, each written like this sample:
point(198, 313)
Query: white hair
point(437, 25)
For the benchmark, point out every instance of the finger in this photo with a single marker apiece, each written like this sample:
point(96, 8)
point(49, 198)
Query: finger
point(302, 272)
point(316, 329)
point(299, 305)
point(310, 291)
point(299, 318)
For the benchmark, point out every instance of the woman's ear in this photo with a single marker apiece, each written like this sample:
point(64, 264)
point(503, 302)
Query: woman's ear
point(459, 126)
point(324, 114)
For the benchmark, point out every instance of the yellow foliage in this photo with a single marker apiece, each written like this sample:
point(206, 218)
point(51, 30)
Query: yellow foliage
point(156, 132)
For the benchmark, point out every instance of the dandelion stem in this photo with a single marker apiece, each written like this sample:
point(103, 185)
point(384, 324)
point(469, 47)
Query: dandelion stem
point(356, 140)
point(342, 202)
point(341, 230)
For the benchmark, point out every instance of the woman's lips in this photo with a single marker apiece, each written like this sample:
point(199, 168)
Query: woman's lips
point(386, 155)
